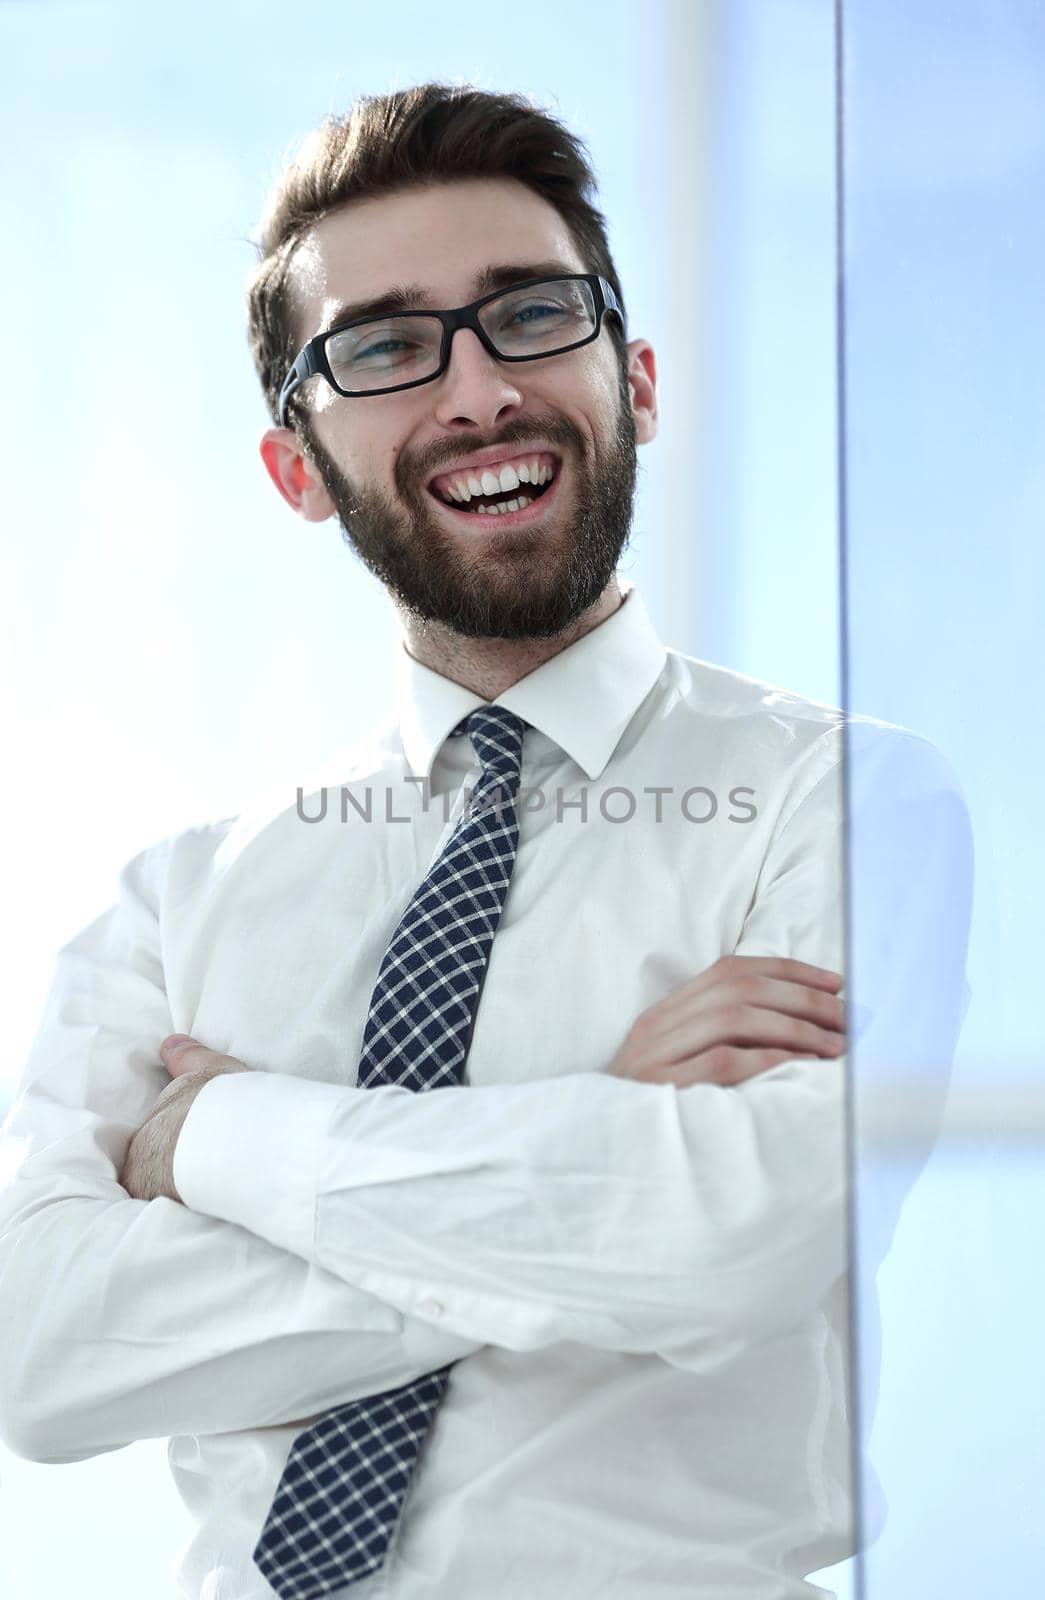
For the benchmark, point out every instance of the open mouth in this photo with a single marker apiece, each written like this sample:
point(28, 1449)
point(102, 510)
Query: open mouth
point(509, 494)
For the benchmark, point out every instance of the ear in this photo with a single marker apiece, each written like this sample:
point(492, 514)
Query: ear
point(294, 474)
point(642, 382)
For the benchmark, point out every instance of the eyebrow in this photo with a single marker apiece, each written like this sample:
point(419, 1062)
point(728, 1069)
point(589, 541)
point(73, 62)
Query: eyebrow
point(417, 297)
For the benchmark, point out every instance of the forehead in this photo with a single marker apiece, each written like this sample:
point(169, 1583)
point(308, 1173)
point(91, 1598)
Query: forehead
point(439, 236)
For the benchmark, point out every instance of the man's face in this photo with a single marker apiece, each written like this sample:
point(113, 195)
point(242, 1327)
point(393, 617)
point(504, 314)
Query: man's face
point(377, 454)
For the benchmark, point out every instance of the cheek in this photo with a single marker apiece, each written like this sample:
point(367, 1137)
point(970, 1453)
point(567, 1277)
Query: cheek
point(326, 400)
point(598, 393)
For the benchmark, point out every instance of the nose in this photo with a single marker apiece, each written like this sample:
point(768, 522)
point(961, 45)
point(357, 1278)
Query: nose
point(476, 390)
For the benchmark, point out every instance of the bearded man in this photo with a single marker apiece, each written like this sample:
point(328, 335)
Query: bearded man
point(576, 1325)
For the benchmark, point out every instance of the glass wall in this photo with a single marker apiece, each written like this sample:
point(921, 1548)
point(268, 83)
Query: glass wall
point(944, 571)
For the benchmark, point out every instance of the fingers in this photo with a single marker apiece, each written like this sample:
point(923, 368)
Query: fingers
point(745, 1008)
point(738, 973)
point(742, 1016)
point(813, 1003)
point(743, 1026)
point(180, 1054)
point(740, 998)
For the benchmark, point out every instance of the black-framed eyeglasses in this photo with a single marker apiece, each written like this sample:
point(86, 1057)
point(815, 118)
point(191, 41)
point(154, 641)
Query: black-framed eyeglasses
point(538, 317)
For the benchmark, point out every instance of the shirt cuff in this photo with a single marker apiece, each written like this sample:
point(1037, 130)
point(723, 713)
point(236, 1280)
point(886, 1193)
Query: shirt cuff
point(248, 1153)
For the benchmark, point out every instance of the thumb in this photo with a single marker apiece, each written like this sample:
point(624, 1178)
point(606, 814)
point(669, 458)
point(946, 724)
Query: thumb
point(181, 1053)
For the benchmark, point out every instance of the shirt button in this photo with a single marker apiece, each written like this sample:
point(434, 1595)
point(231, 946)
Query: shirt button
point(432, 1308)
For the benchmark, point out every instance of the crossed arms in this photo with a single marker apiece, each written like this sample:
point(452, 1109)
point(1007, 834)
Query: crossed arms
point(688, 1221)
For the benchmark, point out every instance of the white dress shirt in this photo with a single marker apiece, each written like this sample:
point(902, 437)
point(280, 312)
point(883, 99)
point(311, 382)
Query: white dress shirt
point(643, 1288)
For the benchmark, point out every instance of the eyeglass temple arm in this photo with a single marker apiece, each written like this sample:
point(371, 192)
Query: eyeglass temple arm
point(613, 304)
point(304, 367)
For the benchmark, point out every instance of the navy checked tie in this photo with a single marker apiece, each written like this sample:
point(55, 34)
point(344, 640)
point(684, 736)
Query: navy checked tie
point(345, 1481)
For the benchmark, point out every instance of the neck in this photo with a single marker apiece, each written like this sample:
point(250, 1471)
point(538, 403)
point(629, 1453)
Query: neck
point(490, 666)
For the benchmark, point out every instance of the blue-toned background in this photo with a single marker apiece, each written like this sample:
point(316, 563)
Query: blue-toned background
point(175, 638)
point(945, 418)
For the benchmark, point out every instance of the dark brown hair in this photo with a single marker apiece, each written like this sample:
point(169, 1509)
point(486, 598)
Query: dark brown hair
point(431, 133)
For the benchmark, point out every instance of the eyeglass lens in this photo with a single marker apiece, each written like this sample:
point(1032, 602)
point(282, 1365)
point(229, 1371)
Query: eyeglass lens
point(538, 320)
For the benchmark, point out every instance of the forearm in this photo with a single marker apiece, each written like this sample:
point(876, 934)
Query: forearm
point(628, 1216)
point(152, 1320)
point(631, 1217)
point(121, 1320)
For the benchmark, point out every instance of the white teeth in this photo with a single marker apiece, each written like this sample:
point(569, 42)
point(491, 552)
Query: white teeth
point(502, 508)
point(462, 490)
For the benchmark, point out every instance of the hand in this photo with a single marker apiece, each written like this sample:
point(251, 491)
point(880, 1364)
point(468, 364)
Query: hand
point(148, 1169)
point(742, 1016)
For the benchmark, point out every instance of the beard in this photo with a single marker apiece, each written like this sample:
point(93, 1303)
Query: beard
point(528, 583)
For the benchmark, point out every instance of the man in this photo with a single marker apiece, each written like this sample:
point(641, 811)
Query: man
point(576, 1324)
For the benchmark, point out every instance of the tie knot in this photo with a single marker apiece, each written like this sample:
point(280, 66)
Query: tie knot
point(497, 738)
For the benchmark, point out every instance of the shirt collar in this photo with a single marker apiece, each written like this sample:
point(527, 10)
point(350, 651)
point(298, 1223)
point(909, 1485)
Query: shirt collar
point(582, 699)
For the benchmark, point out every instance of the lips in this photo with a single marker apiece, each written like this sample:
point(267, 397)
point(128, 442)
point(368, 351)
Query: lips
point(488, 464)
point(491, 522)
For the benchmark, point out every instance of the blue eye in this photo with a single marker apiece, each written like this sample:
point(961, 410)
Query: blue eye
point(533, 315)
point(374, 349)
point(548, 310)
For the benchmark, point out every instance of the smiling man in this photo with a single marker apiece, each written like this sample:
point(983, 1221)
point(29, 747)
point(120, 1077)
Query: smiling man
point(575, 1326)
point(497, 554)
